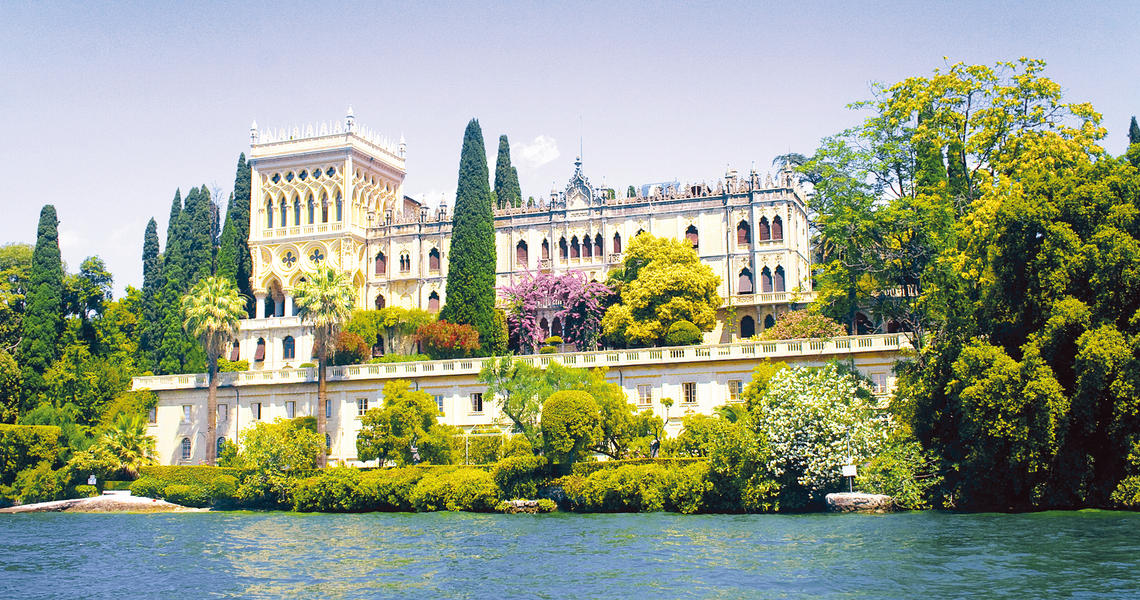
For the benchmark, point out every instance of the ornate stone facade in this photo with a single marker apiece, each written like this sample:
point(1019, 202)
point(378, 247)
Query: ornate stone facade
point(334, 195)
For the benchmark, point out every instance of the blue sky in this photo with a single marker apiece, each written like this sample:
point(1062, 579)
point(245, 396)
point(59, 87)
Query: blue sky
point(106, 109)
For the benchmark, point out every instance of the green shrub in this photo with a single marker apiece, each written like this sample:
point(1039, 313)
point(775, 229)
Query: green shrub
point(455, 489)
point(25, 446)
point(647, 487)
point(517, 445)
point(223, 491)
point(570, 420)
point(519, 476)
point(586, 468)
point(86, 491)
point(683, 333)
point(39, 484)
point(199, 475)
point(147, 487)
point(484, 449)
point(546, 505)
point(351, 349)
point(117, 485)
point(391, 489)
point(335, 490)
point(690, 488)
point(187, 495)
point(547, 350)
point(903, 471)
point(307, 365)
point(1127, 493)
point(553, 340)
point(398, 358)
point(227, 366)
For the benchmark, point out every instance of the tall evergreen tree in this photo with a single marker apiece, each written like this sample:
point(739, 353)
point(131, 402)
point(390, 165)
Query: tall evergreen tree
point(234, 260)
point(1133, 132)
point(471, 264)
point(152, 262)
point(506, 177)
point(43, 322)
point(152, 286)
point(171, 253)
point(1133, 153)
point(197, 236)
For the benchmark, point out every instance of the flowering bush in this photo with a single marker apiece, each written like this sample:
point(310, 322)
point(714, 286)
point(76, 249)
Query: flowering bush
point(351, 349)
point(448, 340)
point(800, 324)
point(576, 302)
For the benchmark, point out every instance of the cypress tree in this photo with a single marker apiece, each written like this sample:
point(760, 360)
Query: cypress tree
point(197, 236)
point(234, 261)
point(43, 321)
point(506, 178)
point(171, 254)
point(471, 264)
point(1133, 132)
point(1133, 153)
point(152, 265)
point(152, 285)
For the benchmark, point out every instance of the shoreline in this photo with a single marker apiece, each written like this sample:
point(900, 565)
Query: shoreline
point(102, 504)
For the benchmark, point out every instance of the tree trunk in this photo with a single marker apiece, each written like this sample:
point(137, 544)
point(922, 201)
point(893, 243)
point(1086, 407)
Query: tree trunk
point(212, 412)
point(322, 403)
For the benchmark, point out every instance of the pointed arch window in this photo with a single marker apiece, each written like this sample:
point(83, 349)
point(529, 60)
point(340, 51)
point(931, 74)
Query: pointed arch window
point(563, 249)
point(544, 326)
point(433, 302)
point(296, 211)
point(556, 327)
point(284, 212)
point(339, 208)
point(288, 348)
point(743, 234)
point(312, 209)
point(587, 249)
point(269, 214)
point(521, 254)
point(433, 260)
point(747, 327)
point(617, 243)
point(778, 279)
point(764, 229)
point(769, 322)
point(691, 236)
point(598, 245)
point(324, 209)
point(765, 280)
point(745, 284)
point(405, 263)
point(545, 250)
point(777, 228)
point(380, 302)
point(381, 263)
point(575, 248)
point(259, 354)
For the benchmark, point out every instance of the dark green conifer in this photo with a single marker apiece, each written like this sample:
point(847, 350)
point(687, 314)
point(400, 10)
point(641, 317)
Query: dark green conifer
point(1133, 153)
point(43, 322)
point(197, 236)
point(506, 177)
point(151, 287)
point(1133, 132)
point(471, 263)
point(234, 261)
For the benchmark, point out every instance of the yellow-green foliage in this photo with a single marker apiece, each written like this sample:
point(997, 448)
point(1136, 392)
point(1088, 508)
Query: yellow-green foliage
point(640, 488)
point(347, 489)
point(519, 476)
point(570, 422)
point(456, 489)
point(26, 446)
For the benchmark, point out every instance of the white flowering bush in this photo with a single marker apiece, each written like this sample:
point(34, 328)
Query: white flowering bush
point(814, 419)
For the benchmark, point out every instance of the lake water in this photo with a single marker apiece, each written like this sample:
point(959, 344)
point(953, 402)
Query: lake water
point(1087, 554)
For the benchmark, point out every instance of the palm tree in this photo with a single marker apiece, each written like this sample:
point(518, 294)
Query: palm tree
point(325, 301)
point(129, 444)
point(210, 312)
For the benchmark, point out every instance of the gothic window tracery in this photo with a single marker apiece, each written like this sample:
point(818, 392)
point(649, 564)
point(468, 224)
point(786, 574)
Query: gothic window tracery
point(743, 234)
point(381, 263)
point(433, 302)
point(289, 259)
point(765, 280)
point(777, 229)
point(692, 237)
point(575, 249)
point(296, 211)
point(312, 207)
point(316, 256)
point(778, 279)
point(764, 229)
point(521, 254)
point(405, 262)
point(433, 260)
point(745, 284)
point(598, 245)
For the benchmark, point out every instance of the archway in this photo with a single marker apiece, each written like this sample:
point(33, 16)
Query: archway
point(747, 327)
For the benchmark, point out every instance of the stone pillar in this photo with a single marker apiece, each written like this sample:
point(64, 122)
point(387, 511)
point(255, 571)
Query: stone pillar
point(259, 312)
point(288, 305)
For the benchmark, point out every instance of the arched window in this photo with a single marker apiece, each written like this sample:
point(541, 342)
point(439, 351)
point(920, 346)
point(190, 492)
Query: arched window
point(269, 214)
point(288, 348)
point(691, 236)
point(544, 326)
point(405, 262)
point(778, 279)
point(312, 209)
point(381, 263)
point(765, 230)
point(259, 354)
point(520, 254)
point(284, 212)
point(545, 250)
point(743, 234)
point(563, 249)
point(221, 445)
point(769, 322)
point(765, 280)
point(433, 302)
point(378, 347)
point(433, 260)
point(324, 209)
point(380, 302)
point(777, 228)
point(617, 243)
point(745, 285)
point(747, 327)
point(270, 306)
point(863, 325)
point(587, 249)
point(575, 249)
point(598, 245)
point(296, 211)
point(556, 327)
point(328, 442)
point(234, 352)
point(339, 208)
point(185, 448)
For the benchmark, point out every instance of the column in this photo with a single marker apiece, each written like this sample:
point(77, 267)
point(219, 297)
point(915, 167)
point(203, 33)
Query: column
point(259, 312)
point(288, 305)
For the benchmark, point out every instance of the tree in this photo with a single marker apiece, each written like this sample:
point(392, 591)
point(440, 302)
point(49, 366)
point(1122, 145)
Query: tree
point(395, 325)
point(325, 301)
point(507, 191)
point(149, 334)
point(578, 303)
point(406, 430)
point(15, 270)
point(570, 422)
point(443, 340)
point(471, 264)
point(800, 324)
point(661, 281)
point(120, 450)
point(43, 321)
point(1133, 152)
point(234, 259)
point(9, 388)
point(210, 313)
point(88, 291)
point(518, 389)
point(271, 452)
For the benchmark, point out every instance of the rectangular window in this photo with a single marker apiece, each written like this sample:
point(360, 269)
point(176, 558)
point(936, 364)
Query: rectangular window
point(290, 409)
point(328, 409)
point(439, 404)
point(735, 386)
point(152, 415)
point(880, 382)
point(645, 394)
point(689, 392)
point(476, 403)
point(185, 413)
point(255, 408)
point(361, 406)
point(223, 412)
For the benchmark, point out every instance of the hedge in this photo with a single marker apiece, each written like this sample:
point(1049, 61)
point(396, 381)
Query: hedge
point(26, 446)
point(200, 475)
point(586, 468)
point(346, 489)
point(641, 488)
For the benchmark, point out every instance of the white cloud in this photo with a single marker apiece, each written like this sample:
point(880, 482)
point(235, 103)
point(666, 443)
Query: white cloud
point(539, 152)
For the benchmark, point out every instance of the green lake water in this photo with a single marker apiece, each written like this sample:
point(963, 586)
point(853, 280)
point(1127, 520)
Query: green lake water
point(1087, 554)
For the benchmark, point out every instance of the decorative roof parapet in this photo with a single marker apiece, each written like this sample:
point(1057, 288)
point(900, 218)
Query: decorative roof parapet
point(311, 131)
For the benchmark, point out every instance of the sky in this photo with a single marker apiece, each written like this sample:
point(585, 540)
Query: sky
point(107, 108)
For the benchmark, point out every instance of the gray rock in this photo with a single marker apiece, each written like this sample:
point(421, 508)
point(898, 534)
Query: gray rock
point(859, 502)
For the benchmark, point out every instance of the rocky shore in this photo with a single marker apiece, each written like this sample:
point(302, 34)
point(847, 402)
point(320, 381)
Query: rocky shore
point(97, 504)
